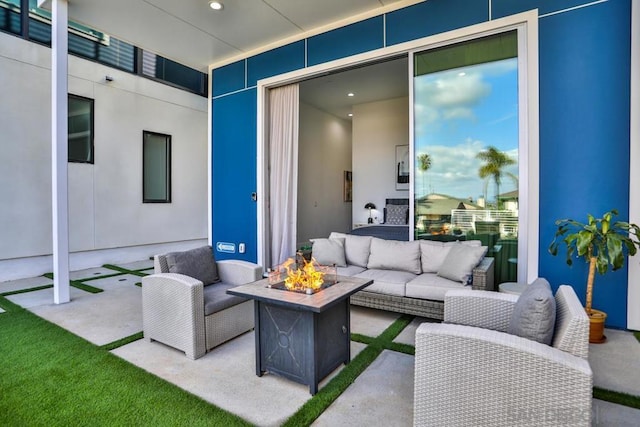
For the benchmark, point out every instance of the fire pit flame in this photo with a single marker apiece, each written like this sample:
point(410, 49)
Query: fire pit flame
point(309, 277)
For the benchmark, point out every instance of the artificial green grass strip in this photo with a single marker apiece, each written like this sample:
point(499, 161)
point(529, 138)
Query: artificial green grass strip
point(88, 279)
point(616, 397)
point(402, 348)
point(315, 406)
point(394, 330)
point(24, 291)
point(123, 341)
point(54, 378)
point(361, 338)
point(85, 287)
point(124, 270)
point(9, 306)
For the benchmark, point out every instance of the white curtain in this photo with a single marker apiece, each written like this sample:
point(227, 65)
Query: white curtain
point(283, 167)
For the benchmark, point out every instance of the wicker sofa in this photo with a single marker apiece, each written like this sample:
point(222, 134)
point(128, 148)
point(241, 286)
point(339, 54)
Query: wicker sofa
point(470, 371)
point(408, 277)
point(180, 311)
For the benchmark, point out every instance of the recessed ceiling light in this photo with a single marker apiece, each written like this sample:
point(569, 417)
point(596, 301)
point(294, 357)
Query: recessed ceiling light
point(350, 114)
point(216, 5)
point(462, 73)
point(350, 94)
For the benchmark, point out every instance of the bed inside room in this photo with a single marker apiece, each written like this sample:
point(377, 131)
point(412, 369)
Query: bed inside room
point(395, 224)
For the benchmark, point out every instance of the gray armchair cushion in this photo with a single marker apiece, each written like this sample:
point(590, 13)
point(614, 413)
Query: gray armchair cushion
point(534, 314)
point(198, 263)
point(217, 299)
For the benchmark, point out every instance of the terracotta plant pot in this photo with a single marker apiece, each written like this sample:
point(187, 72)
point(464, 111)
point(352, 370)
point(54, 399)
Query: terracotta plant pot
point(596, 326)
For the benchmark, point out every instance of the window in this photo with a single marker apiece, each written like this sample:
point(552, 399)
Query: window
point(466, 148)
point(10, 16)
point(80, 129)
point(156, 167)
point(165, 70)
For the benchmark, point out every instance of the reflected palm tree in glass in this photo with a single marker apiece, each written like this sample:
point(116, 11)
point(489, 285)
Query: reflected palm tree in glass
point(495, 162)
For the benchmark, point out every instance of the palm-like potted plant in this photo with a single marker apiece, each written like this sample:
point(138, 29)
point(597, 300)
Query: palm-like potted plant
point(603, 243)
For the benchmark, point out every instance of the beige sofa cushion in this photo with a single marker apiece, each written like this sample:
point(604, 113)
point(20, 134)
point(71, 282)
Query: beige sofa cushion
point(431, 286)
point(389, 282)
point(395, 255)
point(460, 262)
point(356, 248)
point(433, 253)
point(329, 251)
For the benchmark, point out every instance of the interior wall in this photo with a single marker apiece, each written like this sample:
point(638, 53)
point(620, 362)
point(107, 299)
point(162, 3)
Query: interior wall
point(377, 128)
point(105, 198)
point(324, 153)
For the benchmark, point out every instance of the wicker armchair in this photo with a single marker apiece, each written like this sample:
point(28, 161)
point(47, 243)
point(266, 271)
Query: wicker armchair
point(482, 376)
point(173, 307)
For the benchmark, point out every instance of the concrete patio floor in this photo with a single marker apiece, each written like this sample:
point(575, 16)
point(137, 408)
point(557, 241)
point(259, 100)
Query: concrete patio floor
point(225, 377)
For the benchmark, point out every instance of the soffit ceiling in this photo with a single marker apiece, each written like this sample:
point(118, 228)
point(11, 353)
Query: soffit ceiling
point(191, 33)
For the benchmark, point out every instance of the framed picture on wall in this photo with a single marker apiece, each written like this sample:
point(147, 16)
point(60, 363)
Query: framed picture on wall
point(402, 167)
point(347, 186)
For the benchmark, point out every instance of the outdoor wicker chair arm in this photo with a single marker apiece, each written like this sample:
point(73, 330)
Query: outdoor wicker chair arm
point(238, 272)
point(482, 309)
point(472, 376)
point(173, 312)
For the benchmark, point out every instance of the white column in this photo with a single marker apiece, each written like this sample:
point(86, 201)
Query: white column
point(59, 136)
point(633, 312)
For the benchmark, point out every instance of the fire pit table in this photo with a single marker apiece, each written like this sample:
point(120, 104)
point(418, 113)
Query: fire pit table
point(299, 336)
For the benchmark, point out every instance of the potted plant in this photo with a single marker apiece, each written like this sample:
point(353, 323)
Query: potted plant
point(602, 243)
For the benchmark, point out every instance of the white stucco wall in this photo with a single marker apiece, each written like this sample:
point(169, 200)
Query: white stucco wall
point(377, 128)
point(324, 153)
point(105, 199)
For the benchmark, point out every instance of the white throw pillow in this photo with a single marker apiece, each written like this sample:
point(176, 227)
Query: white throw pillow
point(356, 248)
point(329, 251)
point(460, 262)
point(395, 255)
point(433, 252)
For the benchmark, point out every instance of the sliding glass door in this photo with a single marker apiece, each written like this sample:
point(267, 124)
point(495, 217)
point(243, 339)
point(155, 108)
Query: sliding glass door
point(466, 146)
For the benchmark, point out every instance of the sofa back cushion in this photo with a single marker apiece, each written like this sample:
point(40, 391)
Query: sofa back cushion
point(534, 314)
point(356, 248)
point(329, 251)
point(198, 263)
point(433, 253)
point(395, 255)
point(460, 262)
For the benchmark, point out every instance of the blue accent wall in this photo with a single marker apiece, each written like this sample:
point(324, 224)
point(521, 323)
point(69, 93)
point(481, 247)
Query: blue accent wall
point(346, 41)
point(274, 62)
point(229, 78)
point(502, 8)
point(584, 136)
point(584, 70)
point(234, 173)
point(425, 19)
